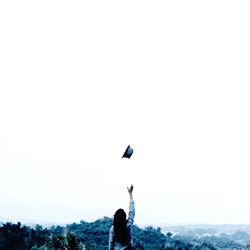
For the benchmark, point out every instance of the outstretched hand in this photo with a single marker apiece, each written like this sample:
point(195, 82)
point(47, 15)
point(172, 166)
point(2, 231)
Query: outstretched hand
point(130, 190)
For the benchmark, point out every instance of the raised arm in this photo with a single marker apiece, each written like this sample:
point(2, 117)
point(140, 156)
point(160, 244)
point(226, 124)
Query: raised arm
point(130, 191)
point(131, 215)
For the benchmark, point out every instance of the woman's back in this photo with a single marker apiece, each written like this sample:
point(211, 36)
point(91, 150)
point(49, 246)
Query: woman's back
point(121, 233)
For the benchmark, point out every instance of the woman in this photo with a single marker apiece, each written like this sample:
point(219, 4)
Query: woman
point(120, 235)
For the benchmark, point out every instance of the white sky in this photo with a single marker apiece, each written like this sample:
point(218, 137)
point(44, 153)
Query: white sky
point(79, 81)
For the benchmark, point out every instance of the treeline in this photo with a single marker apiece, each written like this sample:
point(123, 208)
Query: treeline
point(76, 236)
point(94, 236)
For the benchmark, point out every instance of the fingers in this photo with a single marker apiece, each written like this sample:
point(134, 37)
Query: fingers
point(130, 189)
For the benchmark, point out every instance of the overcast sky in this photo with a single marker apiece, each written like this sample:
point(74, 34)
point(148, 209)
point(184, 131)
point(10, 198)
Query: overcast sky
point(79, 81)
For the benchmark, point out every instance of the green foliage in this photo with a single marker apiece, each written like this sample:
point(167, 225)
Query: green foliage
point(17, 237)
point(149, 238)
point(94, 236)
point(57, 242)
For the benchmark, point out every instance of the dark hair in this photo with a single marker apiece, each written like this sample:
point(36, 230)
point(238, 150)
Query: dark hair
point(119, 224)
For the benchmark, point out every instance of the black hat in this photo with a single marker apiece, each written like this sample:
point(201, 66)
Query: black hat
point(128, 152)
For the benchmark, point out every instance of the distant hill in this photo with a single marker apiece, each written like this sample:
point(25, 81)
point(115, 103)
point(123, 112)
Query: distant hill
point(207, 229)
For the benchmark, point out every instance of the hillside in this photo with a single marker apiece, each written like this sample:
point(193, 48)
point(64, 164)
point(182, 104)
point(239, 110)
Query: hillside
point(94, 236)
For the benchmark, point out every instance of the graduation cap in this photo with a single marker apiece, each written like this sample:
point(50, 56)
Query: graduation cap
point(128, 152)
